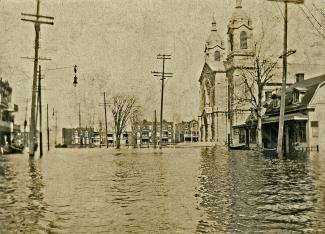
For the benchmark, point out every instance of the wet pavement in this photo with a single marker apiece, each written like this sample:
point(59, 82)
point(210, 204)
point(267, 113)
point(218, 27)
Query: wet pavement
point(182, 190)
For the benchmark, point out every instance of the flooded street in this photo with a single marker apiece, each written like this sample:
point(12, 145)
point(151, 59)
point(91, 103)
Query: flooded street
point(182, 190)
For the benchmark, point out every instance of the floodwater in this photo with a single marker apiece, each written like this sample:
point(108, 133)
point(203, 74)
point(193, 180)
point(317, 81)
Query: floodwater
point(181, 190)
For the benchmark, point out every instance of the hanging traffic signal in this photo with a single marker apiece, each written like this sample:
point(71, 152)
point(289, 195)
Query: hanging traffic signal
point(75, 80)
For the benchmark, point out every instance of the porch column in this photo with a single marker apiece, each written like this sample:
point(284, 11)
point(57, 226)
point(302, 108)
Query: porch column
point(202, 133)
point(213, 127)
point(208, 128)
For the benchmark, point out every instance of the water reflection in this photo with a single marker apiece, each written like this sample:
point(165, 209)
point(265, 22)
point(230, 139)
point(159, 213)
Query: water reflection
point(248, 192)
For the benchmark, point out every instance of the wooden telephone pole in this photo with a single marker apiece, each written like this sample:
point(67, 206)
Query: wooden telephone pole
point(47, 127)
point(284, 75)
point(163, 75)
point(155, 131)
point(40, 111)
point(37, 19)
point(79, 116)
point(105, 120)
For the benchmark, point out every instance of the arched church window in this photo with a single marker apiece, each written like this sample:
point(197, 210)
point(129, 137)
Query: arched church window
point(217, 55)
point(231, 40)
point(243, 40)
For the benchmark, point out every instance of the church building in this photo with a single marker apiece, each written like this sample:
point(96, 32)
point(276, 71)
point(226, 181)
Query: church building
point(221, 81)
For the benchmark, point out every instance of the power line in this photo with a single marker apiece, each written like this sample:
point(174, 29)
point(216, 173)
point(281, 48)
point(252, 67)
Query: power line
point(319, 10)
point(310, 21)
point(320, 25)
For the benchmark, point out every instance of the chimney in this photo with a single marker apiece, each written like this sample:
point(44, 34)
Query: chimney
point(300, 77)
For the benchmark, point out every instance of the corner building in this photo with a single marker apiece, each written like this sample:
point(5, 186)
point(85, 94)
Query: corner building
point(221, 81)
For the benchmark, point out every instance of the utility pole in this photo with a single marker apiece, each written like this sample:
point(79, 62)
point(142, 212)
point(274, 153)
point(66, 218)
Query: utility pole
point(79, 117)
point(284, 83)
point(217, 125)
point(155, 131)
point(37, 23)
point(100, 134)
point(105, 120)
point(40, 110)
point(56, 126)
point(47, 127)
point(25, 124)
point(284, 75)
point(163, 75)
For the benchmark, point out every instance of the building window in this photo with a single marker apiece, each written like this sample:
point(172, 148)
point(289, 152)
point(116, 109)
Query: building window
point(243, 40)
point(242, 136)
point(252, 136)
point(276, 103)
point(295, 97)
point(268, 95)
point(302, 132)
point(217, 55)
point(231, 40)
point(314, 128)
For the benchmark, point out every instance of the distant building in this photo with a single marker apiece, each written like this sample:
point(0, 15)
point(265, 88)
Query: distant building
point(7, 127)
point(145, 132)
point(99, 138)
point(187, 131)
point(78, 136)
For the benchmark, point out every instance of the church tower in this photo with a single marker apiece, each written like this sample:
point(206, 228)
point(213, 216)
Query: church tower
point(214, 47)
point(240, 57)
point(212, 92)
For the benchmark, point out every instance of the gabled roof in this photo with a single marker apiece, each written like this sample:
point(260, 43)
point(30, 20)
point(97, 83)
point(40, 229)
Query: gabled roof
point(308, 86)
point(207, 68)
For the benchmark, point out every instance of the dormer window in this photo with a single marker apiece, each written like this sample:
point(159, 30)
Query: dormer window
point(268, 95)
point(243, 40)
point(295, 97)
point(217, 55)
point(276, 103)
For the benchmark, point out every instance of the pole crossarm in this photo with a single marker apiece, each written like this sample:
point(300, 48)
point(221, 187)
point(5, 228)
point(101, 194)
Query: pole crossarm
point(39, 16)
point(38, 21)
point(289, 52)
point(39, 58)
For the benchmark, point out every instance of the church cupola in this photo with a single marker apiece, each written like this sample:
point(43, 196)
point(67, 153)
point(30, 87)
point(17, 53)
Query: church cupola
point(240, 31)
point(214, 46)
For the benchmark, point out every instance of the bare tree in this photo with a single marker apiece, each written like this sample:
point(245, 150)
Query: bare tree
point(255, 80)
point(135, 120)
point(122, 107)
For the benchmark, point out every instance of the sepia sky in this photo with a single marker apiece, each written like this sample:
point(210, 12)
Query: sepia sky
point(115, 43)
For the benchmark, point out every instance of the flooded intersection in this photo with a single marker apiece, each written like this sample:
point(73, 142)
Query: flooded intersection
point(181, 190)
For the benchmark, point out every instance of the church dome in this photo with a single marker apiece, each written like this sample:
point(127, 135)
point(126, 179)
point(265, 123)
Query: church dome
point(214, 38)
point(239, 16)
